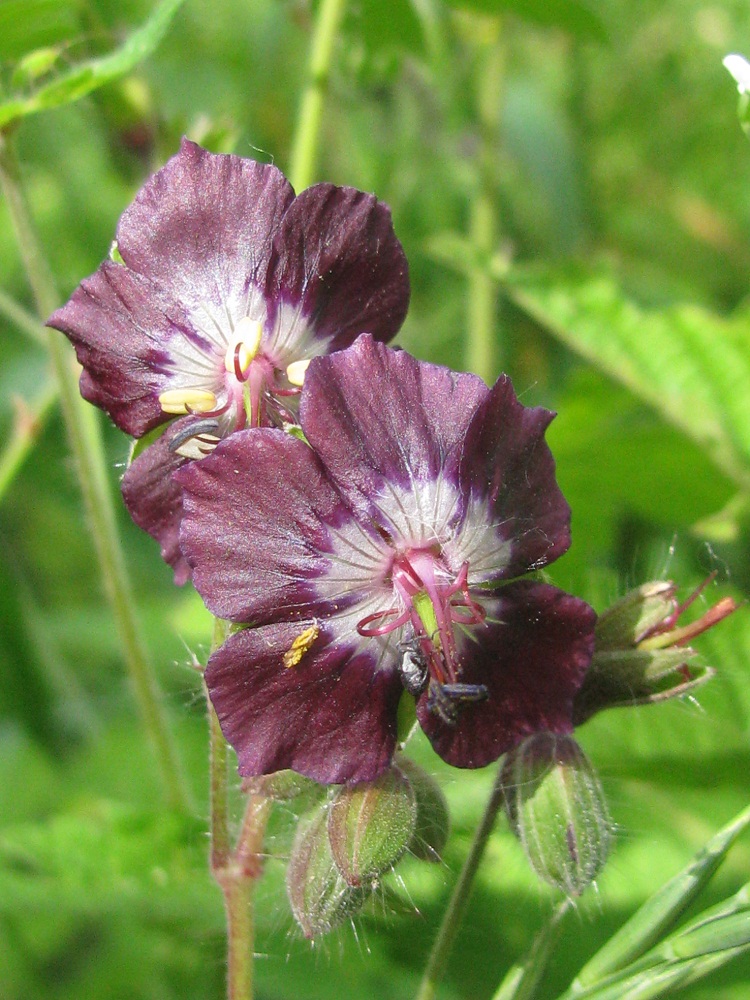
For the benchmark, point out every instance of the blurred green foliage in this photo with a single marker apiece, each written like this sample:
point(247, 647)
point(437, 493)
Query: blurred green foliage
point(605, 138)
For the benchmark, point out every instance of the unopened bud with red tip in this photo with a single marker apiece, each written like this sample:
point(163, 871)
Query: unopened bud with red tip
point(319, 895)
point(642, 654)
point(557, 810)
point(370, 826)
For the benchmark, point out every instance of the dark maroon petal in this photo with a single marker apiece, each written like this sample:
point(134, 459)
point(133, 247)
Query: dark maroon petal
point(507, 461)
point(255, 527)
point(120, 324)
point(532, 662)
point(374, 414)
point(339, 262)
point(202, 225)
point(332, 716)
point(154, 499)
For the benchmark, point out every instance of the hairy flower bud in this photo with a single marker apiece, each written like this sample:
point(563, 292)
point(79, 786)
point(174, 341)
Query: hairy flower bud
point(283, 786)
point(642, 654)
point(557, 810)
point(320, 897)
point(370, 826)
point(432, 824)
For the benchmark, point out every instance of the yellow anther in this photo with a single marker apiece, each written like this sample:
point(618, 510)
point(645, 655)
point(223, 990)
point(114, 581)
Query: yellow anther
point(295, 372)
point(244, 345)
point(187, 401)
point(300, 646)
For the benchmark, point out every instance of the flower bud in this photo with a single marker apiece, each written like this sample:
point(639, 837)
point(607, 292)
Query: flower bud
point(370, 826)
point(432, 824)
point(556, 808)
point(283, 786)
point(320, 897)
point(642, 654)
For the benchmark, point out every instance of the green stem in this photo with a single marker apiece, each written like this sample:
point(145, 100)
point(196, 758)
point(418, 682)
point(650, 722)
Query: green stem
point(306, 144)
point(25, 321)
point(217, 766)
point(482, 349)
point(235, 871)
point(459, 900)
point(26, 428)
point(86, 441)
point(240, 937)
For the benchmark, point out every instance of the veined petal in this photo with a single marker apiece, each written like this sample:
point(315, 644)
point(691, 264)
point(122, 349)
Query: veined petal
point(330, 716)
point(338, 270)
point(154, 500)
point(121, 325)
point(532, 656)
point(507, 465)
point(261, 523)
point(381, 419)
point(202, 226)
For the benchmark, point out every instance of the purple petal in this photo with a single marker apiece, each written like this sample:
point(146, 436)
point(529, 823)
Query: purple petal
point(338, 261)
point(202, 225)
point(120, 323)
point(154, 499)
point(532, 662)
point(507, 461)
point(378, 416)
point(255, 527)
point(332, 716)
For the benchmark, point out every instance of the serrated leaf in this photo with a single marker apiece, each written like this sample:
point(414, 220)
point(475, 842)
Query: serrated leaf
point(86, 77)
point(691, 365)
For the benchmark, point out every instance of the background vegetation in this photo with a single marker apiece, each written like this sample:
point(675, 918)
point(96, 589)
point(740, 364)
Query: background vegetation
point(577, 171)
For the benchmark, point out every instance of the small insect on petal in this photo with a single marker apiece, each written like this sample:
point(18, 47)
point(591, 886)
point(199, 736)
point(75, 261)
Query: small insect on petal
point(413, 669)
point(300, 646)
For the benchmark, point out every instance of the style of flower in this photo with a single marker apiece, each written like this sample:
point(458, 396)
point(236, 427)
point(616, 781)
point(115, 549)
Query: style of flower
point(385, 553)
point(221, 287)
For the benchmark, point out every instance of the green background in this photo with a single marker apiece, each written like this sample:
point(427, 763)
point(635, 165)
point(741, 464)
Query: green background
point(604, 140)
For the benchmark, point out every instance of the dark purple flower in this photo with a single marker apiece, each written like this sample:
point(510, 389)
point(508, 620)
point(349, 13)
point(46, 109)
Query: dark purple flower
point(224, 285)
point(385, 556)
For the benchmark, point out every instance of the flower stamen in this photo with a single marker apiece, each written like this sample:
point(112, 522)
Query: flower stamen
point(182, 401)
point(244, 348)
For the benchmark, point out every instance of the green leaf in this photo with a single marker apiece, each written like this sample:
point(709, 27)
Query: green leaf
point(106, 857)
point(659, 913)
point(523, 977)
point(86, 77)
point(691, 365)
point(654, 983)
point(712, 939)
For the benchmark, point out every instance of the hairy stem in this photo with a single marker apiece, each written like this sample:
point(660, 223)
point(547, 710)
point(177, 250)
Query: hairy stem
point(306, 144)
point(235, 870)
point(86, 442)
point(459, 900)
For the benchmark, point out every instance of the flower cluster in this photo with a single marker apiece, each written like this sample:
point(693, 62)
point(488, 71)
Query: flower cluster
point(391, 543)
point(221, 287)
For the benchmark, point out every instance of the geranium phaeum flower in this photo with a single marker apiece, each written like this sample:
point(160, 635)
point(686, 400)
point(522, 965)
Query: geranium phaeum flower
point(223, 286)
point(384, 556)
